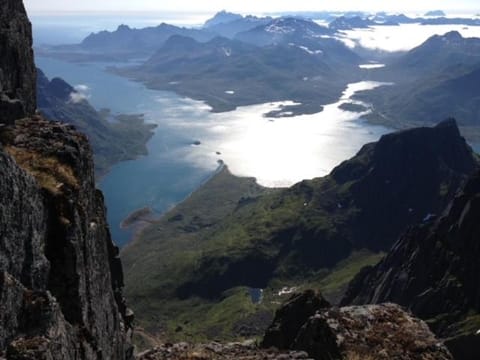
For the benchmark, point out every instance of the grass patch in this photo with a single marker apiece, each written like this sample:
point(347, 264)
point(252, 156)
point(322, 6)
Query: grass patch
point(49, 172)
point(337, 280)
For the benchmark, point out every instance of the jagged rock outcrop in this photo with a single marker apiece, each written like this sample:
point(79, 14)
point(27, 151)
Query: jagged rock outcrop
point(372, 332)
point(406, 177)
point(291, 317)
point(434, 270)
point(61, 279)
point(17, 69)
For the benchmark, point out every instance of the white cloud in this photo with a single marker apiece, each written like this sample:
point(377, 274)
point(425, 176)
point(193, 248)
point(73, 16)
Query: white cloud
point(80, 94)
point(81, 88)
point(76, 97)
point(403, 37)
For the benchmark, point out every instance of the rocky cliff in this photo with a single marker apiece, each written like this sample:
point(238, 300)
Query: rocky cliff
point(60, 278)
point(17, 69)
point(433, 270)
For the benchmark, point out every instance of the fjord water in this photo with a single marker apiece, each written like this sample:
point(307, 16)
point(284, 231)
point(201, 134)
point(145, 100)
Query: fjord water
point(190, 140)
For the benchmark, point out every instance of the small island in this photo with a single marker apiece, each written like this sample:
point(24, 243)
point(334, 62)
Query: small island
point(352, 107)
point(143, 214)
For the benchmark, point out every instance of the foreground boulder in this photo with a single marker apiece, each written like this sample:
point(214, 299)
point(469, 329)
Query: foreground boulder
point(307, 323)
point(373, 332)
point(291, 317)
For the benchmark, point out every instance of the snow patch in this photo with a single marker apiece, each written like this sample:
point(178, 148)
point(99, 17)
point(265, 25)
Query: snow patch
point(371, 66)
point(286, 290)
point(312, 52)
point(227, 51)
point(277, 29)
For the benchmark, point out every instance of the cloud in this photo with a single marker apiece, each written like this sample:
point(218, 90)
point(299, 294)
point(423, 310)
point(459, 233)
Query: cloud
point(76, 97)
point(81, 88)
point(80, 94)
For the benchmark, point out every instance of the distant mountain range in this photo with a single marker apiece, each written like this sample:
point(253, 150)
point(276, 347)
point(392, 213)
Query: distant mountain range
point(236, 60)
point(436, 79)
point(126, 42)
point(283, 31)
point(292, 61)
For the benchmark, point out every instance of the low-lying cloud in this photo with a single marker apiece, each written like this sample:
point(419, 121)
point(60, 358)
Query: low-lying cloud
point(80, 94)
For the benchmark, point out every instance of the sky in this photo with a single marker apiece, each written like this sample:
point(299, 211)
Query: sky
point(250, 6)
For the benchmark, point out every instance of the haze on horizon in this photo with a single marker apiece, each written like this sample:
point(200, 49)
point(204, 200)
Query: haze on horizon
point(249, 6)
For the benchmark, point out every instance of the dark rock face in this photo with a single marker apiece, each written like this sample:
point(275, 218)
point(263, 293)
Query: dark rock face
point(17, 69)
point(61, 279)
point(56, 254)
point(60, 276)
point(414, 174)
point(433, 269)
point(308, 323)
point(291, 317)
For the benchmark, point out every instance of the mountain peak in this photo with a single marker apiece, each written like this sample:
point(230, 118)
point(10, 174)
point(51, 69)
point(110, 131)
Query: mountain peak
point(451, 125)
point(222, 17)
point(123, 27)
point(453, 35)
point(429, 157)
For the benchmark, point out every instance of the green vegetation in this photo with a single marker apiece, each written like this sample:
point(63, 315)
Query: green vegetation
point(50, 173)
point(240, 222)
point(336, 281)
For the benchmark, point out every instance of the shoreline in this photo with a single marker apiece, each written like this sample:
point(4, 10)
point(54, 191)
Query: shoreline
point(138, 227)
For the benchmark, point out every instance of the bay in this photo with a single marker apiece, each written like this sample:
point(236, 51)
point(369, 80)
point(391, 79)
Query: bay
point(190, 141)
